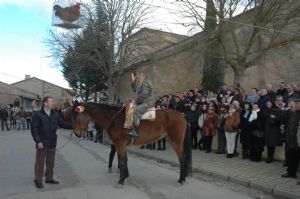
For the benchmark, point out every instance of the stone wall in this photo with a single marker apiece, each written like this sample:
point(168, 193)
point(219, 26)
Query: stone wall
point(281, 64)
point(142, 44)
point(177, 68)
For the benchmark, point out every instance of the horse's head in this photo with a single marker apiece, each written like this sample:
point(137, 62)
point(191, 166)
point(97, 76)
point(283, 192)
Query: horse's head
point(80, 119)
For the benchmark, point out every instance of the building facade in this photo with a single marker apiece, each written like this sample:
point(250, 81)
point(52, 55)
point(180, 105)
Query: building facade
point(44, 88)
point(9, 93)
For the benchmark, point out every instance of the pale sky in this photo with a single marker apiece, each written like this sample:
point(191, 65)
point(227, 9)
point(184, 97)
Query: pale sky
point(24, 24)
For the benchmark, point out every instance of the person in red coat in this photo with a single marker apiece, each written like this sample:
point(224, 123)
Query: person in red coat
point(210, 127)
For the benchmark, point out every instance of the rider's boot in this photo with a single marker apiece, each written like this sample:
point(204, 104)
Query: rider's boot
point(134, 132)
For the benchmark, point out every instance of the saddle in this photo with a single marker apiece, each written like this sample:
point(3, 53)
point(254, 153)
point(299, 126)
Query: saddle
point(149, 115)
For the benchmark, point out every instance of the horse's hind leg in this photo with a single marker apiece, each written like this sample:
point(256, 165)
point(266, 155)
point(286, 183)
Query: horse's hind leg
point(179, 151)
point(177, 139)
point(182, 175)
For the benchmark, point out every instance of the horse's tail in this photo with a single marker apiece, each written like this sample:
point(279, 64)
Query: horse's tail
point(187, 150)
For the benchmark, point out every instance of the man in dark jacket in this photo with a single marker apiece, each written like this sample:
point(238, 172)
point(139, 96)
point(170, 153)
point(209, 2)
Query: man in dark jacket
point(192, 117)
point(271, 93)
point(262, 102)
point(283, 92)
point(43, 130)
point(3, 117)
point(293, 145)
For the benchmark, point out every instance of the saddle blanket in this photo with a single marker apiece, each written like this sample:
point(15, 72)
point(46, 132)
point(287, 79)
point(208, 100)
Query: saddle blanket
point(149, 115)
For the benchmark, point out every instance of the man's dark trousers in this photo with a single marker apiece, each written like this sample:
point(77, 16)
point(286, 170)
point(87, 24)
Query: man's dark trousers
point(3, 124)
point(293, 160)
point(43, 155)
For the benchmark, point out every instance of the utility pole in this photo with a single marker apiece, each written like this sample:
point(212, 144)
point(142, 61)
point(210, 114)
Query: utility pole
point(43, 90)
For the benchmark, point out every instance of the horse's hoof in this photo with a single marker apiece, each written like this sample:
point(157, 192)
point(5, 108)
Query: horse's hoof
point(181, 181)
point(119, 186)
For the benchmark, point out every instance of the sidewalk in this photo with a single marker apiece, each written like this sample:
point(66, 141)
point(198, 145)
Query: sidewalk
point(261, 176)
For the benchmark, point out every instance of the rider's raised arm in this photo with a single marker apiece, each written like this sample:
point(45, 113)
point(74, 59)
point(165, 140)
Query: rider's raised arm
point(133, 86)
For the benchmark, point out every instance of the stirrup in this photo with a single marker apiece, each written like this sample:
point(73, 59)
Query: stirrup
point(132, 133)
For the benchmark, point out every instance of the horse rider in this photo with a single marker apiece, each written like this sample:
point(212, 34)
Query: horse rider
point(143, 100)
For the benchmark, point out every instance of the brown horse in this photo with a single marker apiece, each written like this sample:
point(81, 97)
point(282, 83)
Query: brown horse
point(168, 123)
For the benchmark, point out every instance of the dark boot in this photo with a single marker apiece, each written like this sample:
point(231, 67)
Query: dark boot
point(271, 151)
point(38, 184)
point(245, 154)
point(159, 145)
point(134, 132)
point(163, 144)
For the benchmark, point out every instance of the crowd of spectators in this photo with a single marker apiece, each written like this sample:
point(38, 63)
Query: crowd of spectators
point(258, 117)
point(15, 116)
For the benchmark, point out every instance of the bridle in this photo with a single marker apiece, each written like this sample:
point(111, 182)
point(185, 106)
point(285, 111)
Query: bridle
point(109, 123)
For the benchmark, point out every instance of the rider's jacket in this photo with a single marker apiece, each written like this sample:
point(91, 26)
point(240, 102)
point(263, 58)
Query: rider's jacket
point(143, 91)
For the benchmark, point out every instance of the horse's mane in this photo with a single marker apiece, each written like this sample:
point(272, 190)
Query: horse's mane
point(105, 106)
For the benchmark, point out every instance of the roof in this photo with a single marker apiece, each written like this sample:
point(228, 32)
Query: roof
point(158, 31)
point(29, 79)
point(30, 95)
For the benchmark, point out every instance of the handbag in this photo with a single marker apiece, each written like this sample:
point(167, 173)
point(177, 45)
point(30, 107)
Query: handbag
point(258, 133)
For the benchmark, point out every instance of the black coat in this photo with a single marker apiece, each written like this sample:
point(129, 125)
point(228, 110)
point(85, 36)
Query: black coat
point(246, 128)
point(284, 94)
point(178, 106)
point(43, 127)
point(3, 114)
point(262, 102)
point(272, 127)
point(272, 95)
point(192, 117)
point(256, 144)
point(293, 125)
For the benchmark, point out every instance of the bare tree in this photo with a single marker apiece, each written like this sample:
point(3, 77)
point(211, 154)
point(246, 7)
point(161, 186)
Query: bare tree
point(248, 30)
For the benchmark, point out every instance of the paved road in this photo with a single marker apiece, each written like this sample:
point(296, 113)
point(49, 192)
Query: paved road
point(81, 166)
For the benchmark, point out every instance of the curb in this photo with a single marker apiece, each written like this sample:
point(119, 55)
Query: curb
point(278, 192)
point(236, 180)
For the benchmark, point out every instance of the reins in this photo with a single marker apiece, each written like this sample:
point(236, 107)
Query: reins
point(113, 118)
point(62, 146)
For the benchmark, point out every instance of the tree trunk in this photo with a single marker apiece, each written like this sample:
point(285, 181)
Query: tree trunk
point(95, 97)
point(86, 95)
point(239, 75)
point(110, 91)
point(213, 71)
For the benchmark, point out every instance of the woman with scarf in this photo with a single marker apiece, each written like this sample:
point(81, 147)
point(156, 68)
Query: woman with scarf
point(246, 125)
point(256, 141)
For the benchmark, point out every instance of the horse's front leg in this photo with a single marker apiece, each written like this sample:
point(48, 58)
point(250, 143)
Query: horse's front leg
point(123, 164)
point(123, 169)
point(126, 167)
